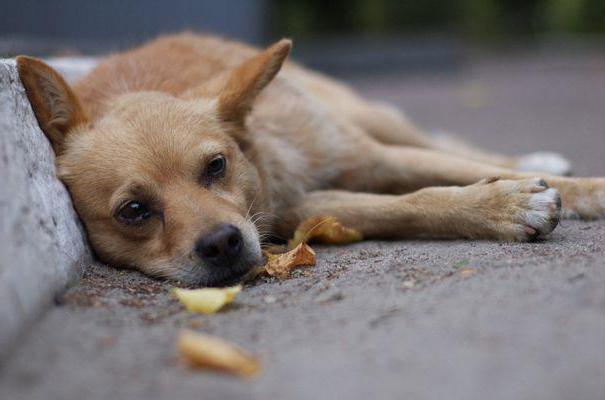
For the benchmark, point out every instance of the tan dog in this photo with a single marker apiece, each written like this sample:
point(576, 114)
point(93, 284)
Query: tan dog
point(175, 173)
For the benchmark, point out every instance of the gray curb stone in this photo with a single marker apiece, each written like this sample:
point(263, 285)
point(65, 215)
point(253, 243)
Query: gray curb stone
point(42, 243)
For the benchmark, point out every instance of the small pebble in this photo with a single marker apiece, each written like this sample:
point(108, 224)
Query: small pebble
point(270, 299)
point(408, 284)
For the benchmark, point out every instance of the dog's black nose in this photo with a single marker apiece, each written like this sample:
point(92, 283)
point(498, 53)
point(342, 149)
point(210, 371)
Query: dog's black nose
point(221, 247)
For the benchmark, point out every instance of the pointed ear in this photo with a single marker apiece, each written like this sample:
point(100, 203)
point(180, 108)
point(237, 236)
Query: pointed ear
point(54, 103)
point(247, 80)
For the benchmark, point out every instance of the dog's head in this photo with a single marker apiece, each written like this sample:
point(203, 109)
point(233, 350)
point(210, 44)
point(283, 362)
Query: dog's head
point(163, 184)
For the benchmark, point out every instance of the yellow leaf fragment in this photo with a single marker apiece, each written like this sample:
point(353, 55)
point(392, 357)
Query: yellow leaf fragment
point(206, 300)
point(324, 230)
point(280, 265)
point(211, 352)
point(466, 272)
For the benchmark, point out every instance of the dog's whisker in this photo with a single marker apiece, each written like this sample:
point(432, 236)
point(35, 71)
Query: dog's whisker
point(260, 215)
point(251, 204)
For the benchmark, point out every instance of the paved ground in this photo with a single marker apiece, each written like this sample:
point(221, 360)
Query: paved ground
point(378, 319)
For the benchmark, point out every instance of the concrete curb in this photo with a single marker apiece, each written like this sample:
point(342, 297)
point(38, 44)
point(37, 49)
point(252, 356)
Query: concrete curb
point(42, 243)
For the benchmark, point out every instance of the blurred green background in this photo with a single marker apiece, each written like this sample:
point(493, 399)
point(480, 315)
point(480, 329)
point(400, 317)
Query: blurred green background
point(338, 36)
point(473, 19)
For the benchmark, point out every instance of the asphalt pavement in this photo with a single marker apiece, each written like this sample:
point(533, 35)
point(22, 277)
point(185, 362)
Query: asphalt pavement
point(383, 320)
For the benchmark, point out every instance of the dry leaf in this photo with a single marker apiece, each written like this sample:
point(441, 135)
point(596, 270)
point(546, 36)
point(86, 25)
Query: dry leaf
point(280, 265)
point(276, 248)
point(205, 351)
point(206, 300)
point(324, 230)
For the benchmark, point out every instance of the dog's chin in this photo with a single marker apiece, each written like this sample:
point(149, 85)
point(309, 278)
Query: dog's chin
point(204, 276)
point(222, 279)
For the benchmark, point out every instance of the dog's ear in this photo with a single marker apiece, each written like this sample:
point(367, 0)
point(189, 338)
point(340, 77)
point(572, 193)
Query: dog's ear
point(247, 80)
point(54, 103)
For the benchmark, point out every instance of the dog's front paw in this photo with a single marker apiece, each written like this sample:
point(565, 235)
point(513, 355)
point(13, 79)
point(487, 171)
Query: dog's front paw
point(520, 210)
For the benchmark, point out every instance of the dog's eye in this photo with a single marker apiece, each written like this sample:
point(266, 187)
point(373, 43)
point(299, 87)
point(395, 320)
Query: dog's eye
point(133, 212)
point(216, 167)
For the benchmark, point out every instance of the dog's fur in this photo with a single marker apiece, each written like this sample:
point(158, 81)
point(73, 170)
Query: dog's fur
point(144, 125)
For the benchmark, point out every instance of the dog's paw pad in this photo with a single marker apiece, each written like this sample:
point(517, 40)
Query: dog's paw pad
point(543, 161)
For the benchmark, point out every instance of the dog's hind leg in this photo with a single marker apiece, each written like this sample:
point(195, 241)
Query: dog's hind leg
point(502, 210)
point(390, 126)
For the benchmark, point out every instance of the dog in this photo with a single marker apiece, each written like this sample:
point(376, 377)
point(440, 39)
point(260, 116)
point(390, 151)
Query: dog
point(184, 155)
